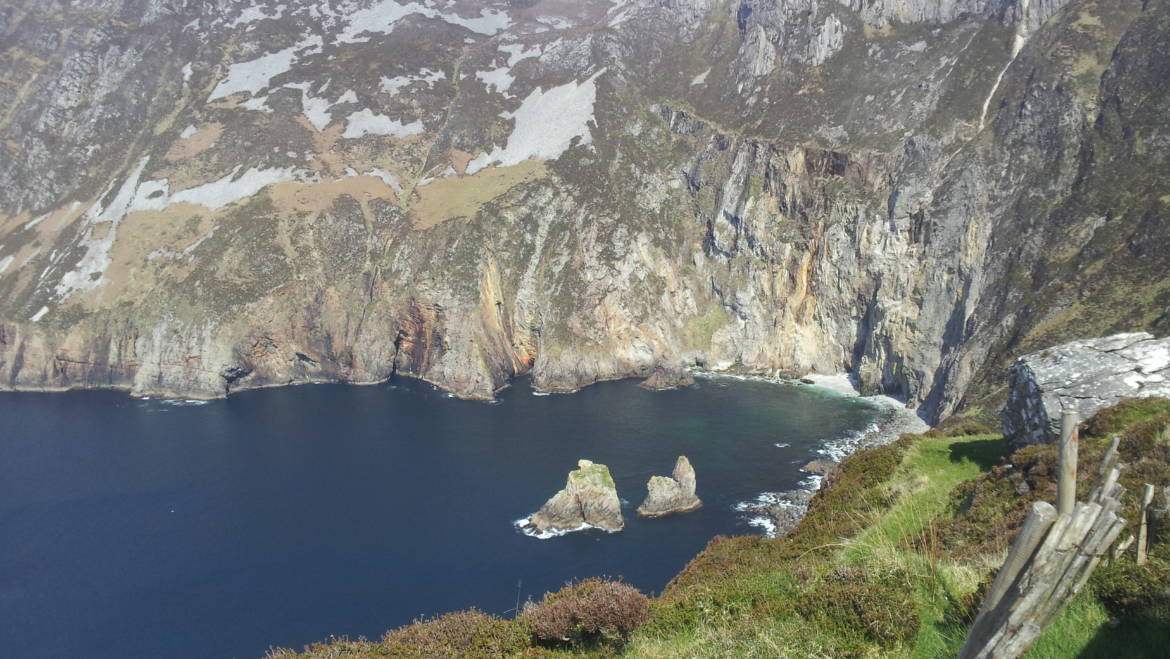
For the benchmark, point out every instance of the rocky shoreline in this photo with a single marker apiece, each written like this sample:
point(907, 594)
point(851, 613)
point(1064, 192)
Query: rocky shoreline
point(777, 513)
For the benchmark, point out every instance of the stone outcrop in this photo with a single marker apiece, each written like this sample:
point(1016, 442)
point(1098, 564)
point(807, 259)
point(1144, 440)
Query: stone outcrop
point(671, 494)
point(589, 499)
point(1084, 375)
point(668, 378)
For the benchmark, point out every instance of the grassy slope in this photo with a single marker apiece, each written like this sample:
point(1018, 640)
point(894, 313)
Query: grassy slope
point(889, 562)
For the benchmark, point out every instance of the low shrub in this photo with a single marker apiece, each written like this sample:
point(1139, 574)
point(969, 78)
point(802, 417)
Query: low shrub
point(880, 605)
point(1131, 590)
point(470, 633)
point(593, 611)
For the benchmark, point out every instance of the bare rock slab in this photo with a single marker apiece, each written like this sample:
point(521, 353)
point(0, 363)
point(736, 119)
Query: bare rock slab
point(588, 500)
point(1086, 375)
point(668, 495)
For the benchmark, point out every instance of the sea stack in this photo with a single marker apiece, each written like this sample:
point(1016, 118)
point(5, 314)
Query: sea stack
point(589, 500)
point(668, 495)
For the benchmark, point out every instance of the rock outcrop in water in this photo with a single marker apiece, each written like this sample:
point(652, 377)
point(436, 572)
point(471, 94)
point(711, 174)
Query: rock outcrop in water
point(667, 495)
point(589, 499)
point(665, 377)
point(1086, 375)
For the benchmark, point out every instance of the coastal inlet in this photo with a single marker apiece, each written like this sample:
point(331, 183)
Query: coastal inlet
point(284, 516)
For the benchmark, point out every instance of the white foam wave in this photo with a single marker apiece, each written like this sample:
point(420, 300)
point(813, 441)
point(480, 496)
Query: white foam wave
point(840, 448)
point(765, 523)
point(782, 445)
point(525, 526)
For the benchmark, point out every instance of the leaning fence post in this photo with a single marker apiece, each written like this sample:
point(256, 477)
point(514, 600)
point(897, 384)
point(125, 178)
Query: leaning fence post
point(1143, 523)
point(1066, 487)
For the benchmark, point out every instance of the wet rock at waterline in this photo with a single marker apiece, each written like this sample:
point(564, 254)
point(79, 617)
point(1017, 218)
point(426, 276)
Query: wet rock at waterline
point(667, 495)
point(589, 499)
point(668, 378)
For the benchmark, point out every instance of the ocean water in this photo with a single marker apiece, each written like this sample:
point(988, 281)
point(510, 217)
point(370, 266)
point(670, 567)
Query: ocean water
point(145, 528)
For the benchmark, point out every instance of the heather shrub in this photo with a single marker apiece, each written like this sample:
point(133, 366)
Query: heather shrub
point(878, 605)
point(593, 611)
point(470, 633)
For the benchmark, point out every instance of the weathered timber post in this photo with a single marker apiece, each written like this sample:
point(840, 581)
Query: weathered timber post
point(1066, 487)
point(1119, 550)
point(1035, 528)
point(1160, 517)
point(1143, 547)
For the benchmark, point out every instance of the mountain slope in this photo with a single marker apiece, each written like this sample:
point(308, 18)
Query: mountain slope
point(201, 198)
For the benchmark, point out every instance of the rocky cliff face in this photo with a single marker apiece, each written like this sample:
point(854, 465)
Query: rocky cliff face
point(1084, 376)
point(197, 198)
point(588, 500)
point(666, 495)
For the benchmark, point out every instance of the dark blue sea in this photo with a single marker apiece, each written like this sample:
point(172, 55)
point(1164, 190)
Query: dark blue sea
point(145, 528)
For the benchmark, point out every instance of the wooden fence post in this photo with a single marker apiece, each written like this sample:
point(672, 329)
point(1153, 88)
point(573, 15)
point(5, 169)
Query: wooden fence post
point(1143, 524)
point(1066, 487)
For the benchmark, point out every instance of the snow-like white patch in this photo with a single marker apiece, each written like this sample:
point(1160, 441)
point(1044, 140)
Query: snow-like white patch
point(387, 178)
point(347, 97)
point(701, 78)
point(394, 85)
point(90, 270)
point(230, 189)
point(517, 52)
point(186, 71)
point(316, 109)
point(150, 196)
point(40, 314)
point(500, 78)
point(253, 14)
point(555, 22)
point(254, 75)
point(195, 245)
point(381, 17)
point(40, 218)
point(490, 21)
point(188, 132)
point(256, 104)
point(366, 122)
point(5, 262)
point(546, 124)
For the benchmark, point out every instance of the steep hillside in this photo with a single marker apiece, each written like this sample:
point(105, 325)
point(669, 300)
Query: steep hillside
point(197, 198)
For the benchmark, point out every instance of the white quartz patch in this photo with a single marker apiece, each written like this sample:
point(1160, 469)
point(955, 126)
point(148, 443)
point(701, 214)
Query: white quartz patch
point(381, 17)
point(254, 75)
point(367, 122)
point(188, 132)
point(500, 78)
point(701, 78)
point(230, 189)
point(89, 272)
point(5, 262)
point(387, 178)
point(518, 52)
point(546, 124)
point(40, 314)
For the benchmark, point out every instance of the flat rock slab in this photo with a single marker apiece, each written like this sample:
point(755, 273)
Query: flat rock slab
point(1084, 375)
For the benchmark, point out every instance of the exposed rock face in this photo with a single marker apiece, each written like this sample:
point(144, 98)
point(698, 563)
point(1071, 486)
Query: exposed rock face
point(665, 377)
point(199, 198)
point(589, 499)
point(667, 495)
point(1084, 375)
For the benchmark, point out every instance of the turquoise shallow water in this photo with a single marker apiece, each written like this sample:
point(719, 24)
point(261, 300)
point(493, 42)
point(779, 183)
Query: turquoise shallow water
point(143, 528)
